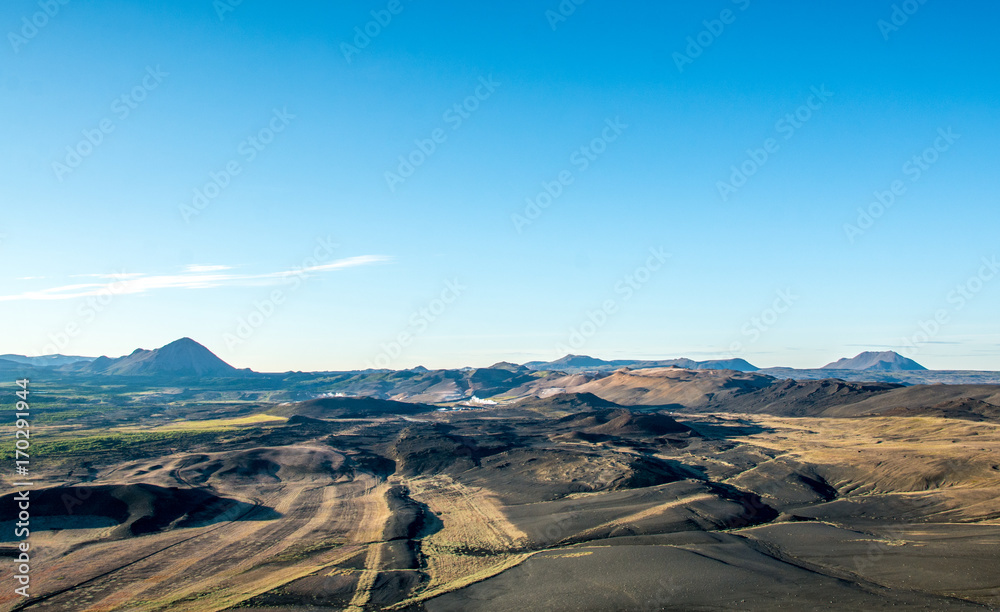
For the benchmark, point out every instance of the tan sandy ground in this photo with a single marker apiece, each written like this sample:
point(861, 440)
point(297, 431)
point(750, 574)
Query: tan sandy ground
point(957, 461)
point(473, 519)
point(212, 567)
point(324, 525)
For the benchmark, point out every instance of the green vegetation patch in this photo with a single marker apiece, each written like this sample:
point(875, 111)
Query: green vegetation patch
point(130, 443)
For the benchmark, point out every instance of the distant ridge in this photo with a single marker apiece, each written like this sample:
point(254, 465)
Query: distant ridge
point(46, 360)
point(183, 357)
point(886, 361)
point(585, 363)
point(506, 365)
point(578, 361)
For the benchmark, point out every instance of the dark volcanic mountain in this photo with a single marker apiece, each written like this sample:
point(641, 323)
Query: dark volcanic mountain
point(886, 361)
point(623, 422)
point(567, 402)
point(349, 408)
point(183, 357)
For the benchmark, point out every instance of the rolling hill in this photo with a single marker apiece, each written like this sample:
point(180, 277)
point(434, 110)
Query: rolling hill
point(653, 386)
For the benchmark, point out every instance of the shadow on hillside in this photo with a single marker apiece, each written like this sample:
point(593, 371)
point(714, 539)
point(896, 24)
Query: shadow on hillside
point(720, 430)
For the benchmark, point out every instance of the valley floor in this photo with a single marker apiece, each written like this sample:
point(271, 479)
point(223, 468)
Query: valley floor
point(485, 511)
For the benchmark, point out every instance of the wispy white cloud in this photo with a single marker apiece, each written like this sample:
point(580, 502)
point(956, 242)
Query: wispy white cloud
point(112, 276)
point(192, 277)
point(206, 268)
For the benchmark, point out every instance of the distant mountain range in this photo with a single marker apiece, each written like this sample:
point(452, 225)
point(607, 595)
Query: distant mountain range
point(665, 382)
point(886, 361)
point(187, 358)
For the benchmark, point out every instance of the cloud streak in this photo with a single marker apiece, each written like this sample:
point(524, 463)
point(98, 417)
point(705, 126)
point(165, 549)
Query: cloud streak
point(192, 277)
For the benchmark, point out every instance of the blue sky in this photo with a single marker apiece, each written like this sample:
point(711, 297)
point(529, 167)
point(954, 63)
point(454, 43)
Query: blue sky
point(313, 246)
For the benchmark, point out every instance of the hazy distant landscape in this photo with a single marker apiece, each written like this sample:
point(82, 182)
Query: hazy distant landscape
point(187, 484)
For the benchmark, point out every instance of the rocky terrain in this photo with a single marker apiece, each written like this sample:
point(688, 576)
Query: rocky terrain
point(639, 489)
